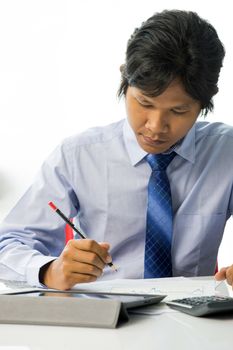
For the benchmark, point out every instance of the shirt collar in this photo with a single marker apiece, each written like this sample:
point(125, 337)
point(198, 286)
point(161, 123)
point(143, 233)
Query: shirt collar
point(184, 148)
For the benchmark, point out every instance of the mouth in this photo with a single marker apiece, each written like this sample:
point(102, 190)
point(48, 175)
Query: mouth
point(153, 142)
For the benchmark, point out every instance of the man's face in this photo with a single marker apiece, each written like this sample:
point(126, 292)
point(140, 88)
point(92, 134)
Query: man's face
point(160, 122)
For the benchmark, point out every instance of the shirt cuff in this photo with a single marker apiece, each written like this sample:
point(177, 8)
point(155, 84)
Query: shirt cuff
point(33, 269)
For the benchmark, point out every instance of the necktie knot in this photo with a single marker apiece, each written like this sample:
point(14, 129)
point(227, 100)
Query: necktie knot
point(160, 161)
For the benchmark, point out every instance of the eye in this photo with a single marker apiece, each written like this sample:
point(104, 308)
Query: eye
point(145, 104)
point(178, 112)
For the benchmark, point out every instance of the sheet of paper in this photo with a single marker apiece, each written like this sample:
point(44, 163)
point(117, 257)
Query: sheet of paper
point(14, 287)
point(19, 287)
point(176, 287)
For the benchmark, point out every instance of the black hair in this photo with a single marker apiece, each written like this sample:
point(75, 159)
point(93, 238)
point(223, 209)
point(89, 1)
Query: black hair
point(174, 44)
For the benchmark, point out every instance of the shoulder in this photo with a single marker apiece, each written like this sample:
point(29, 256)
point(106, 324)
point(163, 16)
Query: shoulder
point(94, 136)
point(215, 134)
point(91, 142)
point(214, 129)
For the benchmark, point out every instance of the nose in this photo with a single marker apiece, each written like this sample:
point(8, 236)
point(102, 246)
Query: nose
point(157, 122)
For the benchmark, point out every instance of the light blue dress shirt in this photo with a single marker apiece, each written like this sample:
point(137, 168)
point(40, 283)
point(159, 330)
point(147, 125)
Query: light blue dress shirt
point(101, 177)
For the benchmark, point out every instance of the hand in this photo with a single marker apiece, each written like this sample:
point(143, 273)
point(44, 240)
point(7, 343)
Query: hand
point(225, 273)
point(81, 261)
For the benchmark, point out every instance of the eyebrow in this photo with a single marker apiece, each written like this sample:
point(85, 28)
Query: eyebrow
point(181, 106)
point(185, 106)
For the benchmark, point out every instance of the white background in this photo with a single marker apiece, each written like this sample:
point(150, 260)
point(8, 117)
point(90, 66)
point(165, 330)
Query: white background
point(59, 74)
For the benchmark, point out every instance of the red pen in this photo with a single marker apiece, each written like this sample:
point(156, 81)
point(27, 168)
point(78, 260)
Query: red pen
point(79, 231)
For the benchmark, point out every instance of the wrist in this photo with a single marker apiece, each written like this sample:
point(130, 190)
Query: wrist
point(44, 274)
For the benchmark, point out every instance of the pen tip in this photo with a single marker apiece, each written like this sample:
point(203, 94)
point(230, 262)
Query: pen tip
point(114, 268)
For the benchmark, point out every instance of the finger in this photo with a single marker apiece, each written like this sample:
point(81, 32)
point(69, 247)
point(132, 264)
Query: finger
point(105, 245)
point(86, 269)
point(86, 257)
point(221, 275)
point(62, 274)
point(80, 273)
point(92, 246)
point(72, 252)
point(77, 278)
point(229, 275)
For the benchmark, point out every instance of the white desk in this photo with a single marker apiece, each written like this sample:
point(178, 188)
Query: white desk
point(166, 331)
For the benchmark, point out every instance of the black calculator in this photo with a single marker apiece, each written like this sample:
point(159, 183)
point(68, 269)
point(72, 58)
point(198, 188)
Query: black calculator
point(203, 306)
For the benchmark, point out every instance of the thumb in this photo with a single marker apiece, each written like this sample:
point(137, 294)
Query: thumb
point(221, 275)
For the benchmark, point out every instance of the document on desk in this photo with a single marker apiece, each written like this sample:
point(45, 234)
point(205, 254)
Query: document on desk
point(15, 287)
point(175, 287)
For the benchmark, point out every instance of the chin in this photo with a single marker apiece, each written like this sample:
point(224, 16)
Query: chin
point(154, 150)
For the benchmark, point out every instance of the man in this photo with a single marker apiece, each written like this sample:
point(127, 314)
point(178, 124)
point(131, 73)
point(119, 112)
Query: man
point(153, 222)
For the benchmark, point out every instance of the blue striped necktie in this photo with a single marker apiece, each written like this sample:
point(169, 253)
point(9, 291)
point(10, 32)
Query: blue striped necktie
point(159, 219)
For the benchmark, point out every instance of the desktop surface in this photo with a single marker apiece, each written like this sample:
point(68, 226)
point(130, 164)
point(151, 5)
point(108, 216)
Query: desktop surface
point(165, 331)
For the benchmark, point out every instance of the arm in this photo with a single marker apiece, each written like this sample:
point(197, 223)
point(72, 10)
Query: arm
point(227, 272)
point(32, 236)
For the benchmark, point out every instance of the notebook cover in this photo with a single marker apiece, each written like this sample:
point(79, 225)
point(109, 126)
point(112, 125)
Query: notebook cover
point(57, 311)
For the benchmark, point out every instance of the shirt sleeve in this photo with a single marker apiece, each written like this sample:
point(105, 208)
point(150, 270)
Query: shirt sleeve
point(32, 234)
